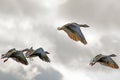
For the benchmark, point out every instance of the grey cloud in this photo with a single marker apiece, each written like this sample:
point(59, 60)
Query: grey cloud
point(110, 74)
point(103, 13)
point(13, 38)
point(49, 74)
point(29, 73)
point(13, 73)
point(17, 43)
point(22, 8)
point(47, 30)
point(110, 43)
point(69, 53)
point(8, 76)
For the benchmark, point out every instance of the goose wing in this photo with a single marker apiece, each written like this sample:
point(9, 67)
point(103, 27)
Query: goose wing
point(107, 61)
point(42, 55)
point(29, 54)
point(75, 33)
point(19, 57)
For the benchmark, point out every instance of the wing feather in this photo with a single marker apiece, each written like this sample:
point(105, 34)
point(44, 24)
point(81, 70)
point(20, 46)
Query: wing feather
point(73, 36)
point(75, 33)
point(19, 57)
point(110, 63)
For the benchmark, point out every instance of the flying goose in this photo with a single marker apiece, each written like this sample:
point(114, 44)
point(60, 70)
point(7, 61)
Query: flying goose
point(105, 60)
point(38, 52)
point(15, 55)
point(74, 32)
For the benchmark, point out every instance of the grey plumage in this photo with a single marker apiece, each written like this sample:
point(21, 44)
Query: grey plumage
point(74, 32)
point(105, 60)
point(15, 55)
point(38, 52)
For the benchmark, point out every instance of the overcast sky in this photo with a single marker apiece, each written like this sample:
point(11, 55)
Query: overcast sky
point(26, 23)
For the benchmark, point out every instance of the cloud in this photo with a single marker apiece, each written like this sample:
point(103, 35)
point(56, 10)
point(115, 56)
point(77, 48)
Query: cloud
point(110, 74)
point(8, 76)
point(49, 74)
point(102, 13)
point(34, 23)
point(22, 8)
point(110, 43)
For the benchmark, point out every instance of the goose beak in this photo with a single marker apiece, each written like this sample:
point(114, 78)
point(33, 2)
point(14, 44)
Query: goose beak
point(92, 63)
point(3, 56)
point(59, 28)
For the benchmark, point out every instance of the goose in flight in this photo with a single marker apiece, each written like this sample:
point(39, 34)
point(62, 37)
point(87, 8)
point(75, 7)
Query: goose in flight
point(38, 52)
point(74, 32)
point(15, 55)
point(105, 60)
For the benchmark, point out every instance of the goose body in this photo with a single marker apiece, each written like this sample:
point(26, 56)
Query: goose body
point(74, 32)
point(38, 52)
point(105, 60)
point(15, 55)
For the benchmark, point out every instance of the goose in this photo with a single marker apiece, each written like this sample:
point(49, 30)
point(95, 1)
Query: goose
point(15, 55)
point(74, 32)
point(105, 60)
point(38, 52)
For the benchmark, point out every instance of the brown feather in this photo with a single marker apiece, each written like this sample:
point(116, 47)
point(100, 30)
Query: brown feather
point(111, 64)
point(73, 36)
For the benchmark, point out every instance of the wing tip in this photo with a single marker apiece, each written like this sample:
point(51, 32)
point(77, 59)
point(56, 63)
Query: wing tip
point(25, 63)
point(84, 42)
point(116, 67)
point(48, 60)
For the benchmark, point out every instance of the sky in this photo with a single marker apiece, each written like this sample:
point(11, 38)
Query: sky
point(26, 23)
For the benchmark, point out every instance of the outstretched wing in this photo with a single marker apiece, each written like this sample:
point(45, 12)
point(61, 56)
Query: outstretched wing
point(42, 55)
point(19, 57)
point(39, 51)
point(45, 58)
point(75, 33)
point(109, 62)
point(72, 35)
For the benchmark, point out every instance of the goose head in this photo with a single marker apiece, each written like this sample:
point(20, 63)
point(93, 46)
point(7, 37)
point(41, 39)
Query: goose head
point(8, 54)
point(59, 28)
point(96, 59)
point(3, 56)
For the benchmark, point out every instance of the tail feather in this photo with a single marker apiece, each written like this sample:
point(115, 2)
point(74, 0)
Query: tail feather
point(84, 42)
point(45, 58)
point(47, 52)
point(82, 39)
